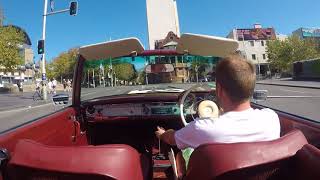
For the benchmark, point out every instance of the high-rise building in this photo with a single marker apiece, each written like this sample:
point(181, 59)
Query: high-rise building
point(162, 18)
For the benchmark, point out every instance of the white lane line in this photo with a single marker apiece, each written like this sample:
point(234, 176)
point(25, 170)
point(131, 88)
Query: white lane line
point(293, 91)
point(25, 108)
point(293, 96)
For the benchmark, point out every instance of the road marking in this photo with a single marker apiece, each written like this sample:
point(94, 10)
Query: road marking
point(293, 91)
point(293, 96)
point(25, 108)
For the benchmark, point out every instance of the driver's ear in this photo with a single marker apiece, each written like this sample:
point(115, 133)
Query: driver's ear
point(218, 89)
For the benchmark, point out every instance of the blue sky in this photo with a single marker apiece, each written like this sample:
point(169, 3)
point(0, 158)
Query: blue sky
point(99, 20)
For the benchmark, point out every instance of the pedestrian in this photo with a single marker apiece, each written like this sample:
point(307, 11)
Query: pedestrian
point(64, 85)
point(69, 85)
point(50, 87)
point(38, 86)
point(54, 85)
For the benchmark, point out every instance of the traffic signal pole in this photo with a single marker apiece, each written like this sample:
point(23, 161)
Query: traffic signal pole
point(43, 68)
point(73, 11)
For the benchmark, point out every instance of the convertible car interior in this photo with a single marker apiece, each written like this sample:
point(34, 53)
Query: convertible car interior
point(112, 137)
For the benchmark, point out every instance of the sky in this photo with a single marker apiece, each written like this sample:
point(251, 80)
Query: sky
point(100, 20)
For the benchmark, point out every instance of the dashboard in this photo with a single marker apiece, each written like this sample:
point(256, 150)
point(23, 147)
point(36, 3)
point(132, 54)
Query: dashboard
point(134, 109)
point(145, 106)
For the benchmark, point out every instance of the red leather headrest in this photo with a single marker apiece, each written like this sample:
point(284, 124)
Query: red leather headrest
point(107, 160)
point(210, 160)
point(307, 161)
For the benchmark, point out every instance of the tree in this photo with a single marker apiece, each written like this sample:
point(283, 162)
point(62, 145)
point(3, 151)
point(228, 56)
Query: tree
point(282, 54)
point(198, 67)
point(125, 71)
point(63, 65)
point(141, 77)
point(10, 40)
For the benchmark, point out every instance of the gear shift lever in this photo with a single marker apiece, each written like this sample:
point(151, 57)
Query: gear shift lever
point(159, 156)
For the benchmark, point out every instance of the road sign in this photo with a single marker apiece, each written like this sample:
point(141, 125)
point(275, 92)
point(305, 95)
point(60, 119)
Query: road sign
point(44, 77)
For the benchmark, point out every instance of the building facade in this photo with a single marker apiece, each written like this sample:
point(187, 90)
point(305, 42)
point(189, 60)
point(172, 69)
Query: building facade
point(307, 33)
point(253, 44)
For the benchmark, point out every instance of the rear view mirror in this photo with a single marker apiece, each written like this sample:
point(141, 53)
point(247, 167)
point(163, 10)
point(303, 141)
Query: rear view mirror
point(260, 95)
point(159, 68)
point(60, 99)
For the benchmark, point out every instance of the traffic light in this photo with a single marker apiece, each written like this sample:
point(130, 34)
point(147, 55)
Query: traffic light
point(40, 46)
point(73, 8)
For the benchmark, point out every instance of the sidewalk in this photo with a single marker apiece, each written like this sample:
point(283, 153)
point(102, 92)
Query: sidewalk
point(291, 83)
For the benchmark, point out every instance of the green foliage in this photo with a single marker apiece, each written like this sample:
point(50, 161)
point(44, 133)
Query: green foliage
point(125, 71)
point(198, 67)
point(10, 40)
point(282, 54)
point(63, 65)
point(141, 77)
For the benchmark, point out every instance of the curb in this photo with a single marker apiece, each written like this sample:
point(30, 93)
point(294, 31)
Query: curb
point(288, 85)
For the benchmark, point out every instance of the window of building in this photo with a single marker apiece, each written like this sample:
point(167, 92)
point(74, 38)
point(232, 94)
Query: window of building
point(264, 56)
point(252, 43)
point(254, 57)
point(262, 43)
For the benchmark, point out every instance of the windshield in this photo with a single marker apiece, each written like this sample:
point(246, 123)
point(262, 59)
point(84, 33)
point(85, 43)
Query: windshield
point(41, 40)
point(145, 74)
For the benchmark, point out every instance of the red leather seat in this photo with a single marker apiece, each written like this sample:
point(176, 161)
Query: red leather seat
point(253, 160)
point(307, 163)
point(32, 160)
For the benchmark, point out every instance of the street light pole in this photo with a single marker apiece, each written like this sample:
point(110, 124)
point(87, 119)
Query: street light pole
point(43, 68)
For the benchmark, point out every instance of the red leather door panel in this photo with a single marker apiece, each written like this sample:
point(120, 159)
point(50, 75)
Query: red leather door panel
point(55, 129)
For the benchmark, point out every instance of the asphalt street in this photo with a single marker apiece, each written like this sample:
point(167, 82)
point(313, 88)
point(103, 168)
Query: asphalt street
point(295, 100)
point(16, 109)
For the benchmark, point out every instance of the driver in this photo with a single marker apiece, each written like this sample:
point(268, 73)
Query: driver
point(235, 82)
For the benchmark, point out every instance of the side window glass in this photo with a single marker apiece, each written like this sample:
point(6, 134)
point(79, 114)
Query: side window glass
point(22, 97)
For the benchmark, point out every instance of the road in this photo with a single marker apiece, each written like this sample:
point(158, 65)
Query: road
point(18, 109)
point(283, 98)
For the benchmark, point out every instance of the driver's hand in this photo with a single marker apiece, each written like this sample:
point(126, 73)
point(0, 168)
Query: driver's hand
point(160, 131)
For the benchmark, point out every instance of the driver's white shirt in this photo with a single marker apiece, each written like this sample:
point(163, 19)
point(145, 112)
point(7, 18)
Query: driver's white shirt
point(250, 125)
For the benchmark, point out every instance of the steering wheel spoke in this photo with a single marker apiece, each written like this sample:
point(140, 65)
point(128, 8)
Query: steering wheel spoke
point(189, 104)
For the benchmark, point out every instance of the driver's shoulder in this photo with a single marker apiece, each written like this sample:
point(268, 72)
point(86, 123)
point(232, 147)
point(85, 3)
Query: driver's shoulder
point(204, 121)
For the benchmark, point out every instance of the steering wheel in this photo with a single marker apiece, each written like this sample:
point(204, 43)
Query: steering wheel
point(206, 108)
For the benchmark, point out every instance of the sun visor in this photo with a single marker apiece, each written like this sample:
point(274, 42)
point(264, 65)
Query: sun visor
point(111, 49)
point(203, 45)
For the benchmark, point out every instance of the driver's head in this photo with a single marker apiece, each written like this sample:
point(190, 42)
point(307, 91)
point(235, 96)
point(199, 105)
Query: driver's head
point(235, 80)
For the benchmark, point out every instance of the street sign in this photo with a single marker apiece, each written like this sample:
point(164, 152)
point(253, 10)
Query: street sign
point(44, 77)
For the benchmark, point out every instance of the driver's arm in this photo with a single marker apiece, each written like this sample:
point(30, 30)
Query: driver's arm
point(166, 136)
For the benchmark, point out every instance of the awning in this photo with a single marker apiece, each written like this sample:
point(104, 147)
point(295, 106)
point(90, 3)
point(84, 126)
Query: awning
point(111, 49)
